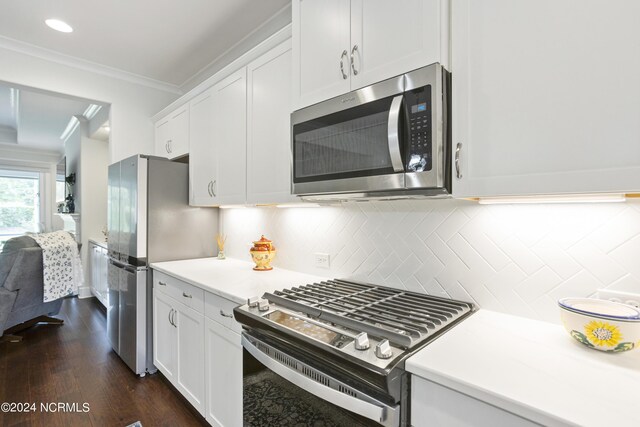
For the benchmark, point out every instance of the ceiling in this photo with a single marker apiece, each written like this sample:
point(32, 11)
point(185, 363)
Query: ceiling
point(165, 40)
point(35, 119)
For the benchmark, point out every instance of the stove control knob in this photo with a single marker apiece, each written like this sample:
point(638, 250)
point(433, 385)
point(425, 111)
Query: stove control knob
point(362, 341)
point(383, 350)
point(263, 305)
point(253, 302)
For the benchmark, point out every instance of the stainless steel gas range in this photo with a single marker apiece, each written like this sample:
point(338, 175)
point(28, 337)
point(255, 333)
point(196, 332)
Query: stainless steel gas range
point(346, 342)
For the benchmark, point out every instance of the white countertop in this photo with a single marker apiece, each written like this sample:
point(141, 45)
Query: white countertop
point(101, 243)
point(232, 279)
point(534, 369)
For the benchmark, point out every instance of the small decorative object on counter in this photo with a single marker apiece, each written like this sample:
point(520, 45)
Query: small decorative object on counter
point(71, 205)
point(600, 324)
point(221, 239)
point(262, 254)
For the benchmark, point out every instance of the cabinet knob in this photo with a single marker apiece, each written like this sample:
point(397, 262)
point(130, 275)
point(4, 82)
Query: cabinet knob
point(162, 283)
point(186, 295)
point(223, 314)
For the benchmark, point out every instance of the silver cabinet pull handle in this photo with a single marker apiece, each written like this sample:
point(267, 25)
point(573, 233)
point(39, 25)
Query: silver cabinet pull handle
point(353, 66)
point(166, 146)
point(173, 318)
point(223, 314)
point(458, 171)
point(209, 189)
point(186, 295)
point(170, 313)
point(213, 187)
point(393, 139)
point(162, 283)
point(344, 75)
point(170, 149)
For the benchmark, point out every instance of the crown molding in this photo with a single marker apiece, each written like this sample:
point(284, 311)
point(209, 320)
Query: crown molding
point(11, 153)
point(83, 64)
point(279, 20)
point(271, 42)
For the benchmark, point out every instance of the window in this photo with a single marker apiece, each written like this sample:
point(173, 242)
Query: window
point(19, 203)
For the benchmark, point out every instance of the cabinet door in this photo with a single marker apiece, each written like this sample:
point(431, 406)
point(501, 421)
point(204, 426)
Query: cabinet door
point(102, 262)
point(190, 360)
point(268, 127)
point(179, 125)
point(202, 157)
point(320, 44)
point(546, 99)
point(223, 367)
point(389, 38)
point(163, 136)
point(230, 138)
point(92, 266)
point(433, 405)
point(164, 335)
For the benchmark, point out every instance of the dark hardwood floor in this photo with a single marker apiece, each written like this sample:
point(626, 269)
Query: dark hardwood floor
point(74, 363)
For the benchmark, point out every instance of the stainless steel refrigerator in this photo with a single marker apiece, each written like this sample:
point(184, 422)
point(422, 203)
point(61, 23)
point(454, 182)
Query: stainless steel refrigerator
point(149, 220)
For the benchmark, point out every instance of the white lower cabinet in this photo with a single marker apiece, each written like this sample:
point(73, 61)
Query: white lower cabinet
point(223, 369)
point(165, 343)
point(178, 346)
point(190, 355)
point(98, 267)
point(434, 405)
point(199, 353)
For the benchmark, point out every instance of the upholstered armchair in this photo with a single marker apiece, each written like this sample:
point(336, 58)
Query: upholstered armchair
point(21, 288)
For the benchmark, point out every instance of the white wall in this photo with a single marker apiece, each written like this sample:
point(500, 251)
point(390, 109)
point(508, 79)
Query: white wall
point(132, 105)
point(512, 258)
point(89, 159)
point(72, 152)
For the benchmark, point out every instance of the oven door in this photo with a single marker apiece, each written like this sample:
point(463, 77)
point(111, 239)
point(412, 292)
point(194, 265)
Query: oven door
point(297, 389)
point(351, 143)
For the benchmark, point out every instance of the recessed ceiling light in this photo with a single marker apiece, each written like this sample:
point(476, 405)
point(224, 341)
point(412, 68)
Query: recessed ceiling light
point(59, 25)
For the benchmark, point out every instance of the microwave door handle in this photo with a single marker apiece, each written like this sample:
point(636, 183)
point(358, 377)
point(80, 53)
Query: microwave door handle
point(393, 136)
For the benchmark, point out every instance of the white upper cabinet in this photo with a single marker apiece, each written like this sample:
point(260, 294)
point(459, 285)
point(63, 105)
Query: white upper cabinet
point(343, 45)
point(172, 134)
point(230, 138)
point(217, 160)
point(202, 156)
point(321, 45)
point(268, 127)
point(389, 38)
point(546, 96)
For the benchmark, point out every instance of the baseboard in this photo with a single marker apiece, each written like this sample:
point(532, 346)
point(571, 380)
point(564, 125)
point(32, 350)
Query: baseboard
point(84, 292)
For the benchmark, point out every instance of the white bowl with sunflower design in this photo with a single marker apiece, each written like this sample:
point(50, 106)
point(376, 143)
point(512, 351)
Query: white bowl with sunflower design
point(600, 324)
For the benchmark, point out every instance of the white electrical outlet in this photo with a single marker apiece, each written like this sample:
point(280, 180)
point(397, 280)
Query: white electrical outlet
point(321, 260)
point(619, 296)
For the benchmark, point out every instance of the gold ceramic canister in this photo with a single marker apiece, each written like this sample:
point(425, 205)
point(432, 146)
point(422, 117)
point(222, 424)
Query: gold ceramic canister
point(262, 253)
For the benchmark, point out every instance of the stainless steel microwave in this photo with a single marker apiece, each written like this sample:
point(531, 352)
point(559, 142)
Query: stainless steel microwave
point(388, 140)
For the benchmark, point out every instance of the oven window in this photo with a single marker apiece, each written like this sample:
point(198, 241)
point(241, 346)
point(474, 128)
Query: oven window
point(270, 400)
point(350, 143)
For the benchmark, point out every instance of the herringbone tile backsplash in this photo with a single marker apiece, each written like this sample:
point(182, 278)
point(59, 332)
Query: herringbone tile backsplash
point(517, 259)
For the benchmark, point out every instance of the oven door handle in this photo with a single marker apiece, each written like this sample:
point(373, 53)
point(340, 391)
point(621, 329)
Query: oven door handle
point(393, 134)
point(383, 414)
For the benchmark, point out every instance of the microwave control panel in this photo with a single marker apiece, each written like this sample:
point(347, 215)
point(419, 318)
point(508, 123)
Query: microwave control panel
point(419, 113)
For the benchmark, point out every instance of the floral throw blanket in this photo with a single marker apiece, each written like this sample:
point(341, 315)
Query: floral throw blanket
point(62, 268)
